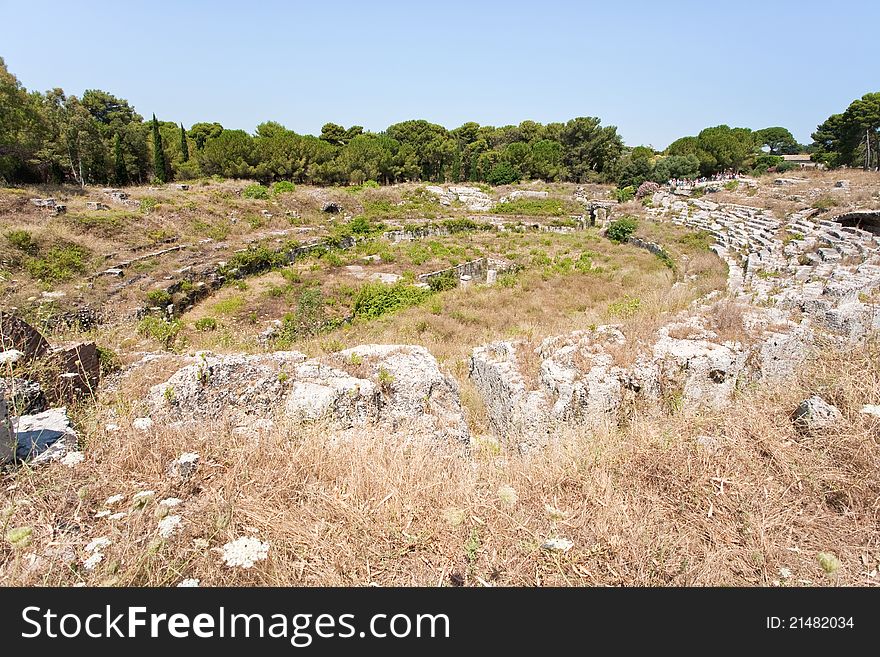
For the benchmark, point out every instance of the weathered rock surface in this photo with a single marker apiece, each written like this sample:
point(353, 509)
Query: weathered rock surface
point(24, 397)
point(687, 364)
point(76, 370)
point(472, 198)
point(17, 334)
point(398, 386)
point(43, 437)
point(815, 414)
point(7, 435)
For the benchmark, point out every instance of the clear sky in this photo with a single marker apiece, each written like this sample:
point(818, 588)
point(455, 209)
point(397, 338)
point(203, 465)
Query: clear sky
point(657, 70)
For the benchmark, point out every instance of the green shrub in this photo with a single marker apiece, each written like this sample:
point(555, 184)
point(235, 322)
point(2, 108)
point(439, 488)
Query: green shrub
point(159, 297)
point(206, 324)
point(59, 264)
point(377, 299)
point(502, 174)
point(620, 230)
point(442, 282)
point(23, 241)
point(731, 185)
point(108, 360)
point(666, 259)
point(308, 319)
point(537, 207)
point(360, 226)
point(148, 204)
point(163, 331)
point(624, 308)
point(624, 194)
point(283, 187)
point(255, 191)
point(253, 261)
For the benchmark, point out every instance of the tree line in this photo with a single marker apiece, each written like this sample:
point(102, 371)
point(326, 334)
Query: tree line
point(99, 138)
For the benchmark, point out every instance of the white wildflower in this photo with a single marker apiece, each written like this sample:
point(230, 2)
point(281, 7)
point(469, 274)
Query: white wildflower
point(94, 560)
point(785, 573)
point(103, 513)
point(72, 458)
point(557, 544)
point(169, 525)
point(111, 428)
point(113, 499)
point(171, 501)
point(98, 544)
point(143, 495)
point(245, 552)
point(187, 583)
point(116, 516)
point(142, 423)
point(508, 495)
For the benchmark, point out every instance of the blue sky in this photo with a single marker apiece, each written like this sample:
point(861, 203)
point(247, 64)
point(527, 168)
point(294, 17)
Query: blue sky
point(657, 70)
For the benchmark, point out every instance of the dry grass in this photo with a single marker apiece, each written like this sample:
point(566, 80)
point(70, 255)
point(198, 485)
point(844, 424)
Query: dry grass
point(644, 505)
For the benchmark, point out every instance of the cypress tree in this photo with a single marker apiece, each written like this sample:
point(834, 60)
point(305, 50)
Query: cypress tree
point(184, 147)
point(158, 154)
point(121, 173)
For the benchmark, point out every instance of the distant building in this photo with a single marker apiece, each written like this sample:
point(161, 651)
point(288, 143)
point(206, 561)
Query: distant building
point(802, 160)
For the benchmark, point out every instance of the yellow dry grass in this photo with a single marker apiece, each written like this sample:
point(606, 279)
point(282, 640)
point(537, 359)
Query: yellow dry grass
point(646, 504)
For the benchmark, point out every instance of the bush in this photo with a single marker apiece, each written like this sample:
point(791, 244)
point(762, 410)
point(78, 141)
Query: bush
point(620, 230)
point(537, 207)
point(255, 191)
point(647, 188)
point(624, 194)
point(255, 260)
point(283, 187)
point(206, 324)
point(502, 174)
point(465, 225)
point(148, 204)
point(307, 320)
point(164, 332)
point(377, 299)
point(625, 308)
point(159, 297)
point(442, 282)
point(23, 241)
point(59, 264)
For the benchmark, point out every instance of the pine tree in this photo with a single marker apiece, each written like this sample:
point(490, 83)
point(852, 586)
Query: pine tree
point(158, 154)
point(120, 170)
point(184, 147)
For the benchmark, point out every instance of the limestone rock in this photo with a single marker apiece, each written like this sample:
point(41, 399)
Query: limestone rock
point(515, 412)
point(45, 436)
point(24, 397)
point(7, 436)
point(815, 414)
point(233, 387)
point(400, 387)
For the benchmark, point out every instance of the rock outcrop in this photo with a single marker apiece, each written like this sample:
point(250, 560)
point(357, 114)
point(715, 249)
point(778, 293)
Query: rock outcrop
point(397, 386)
